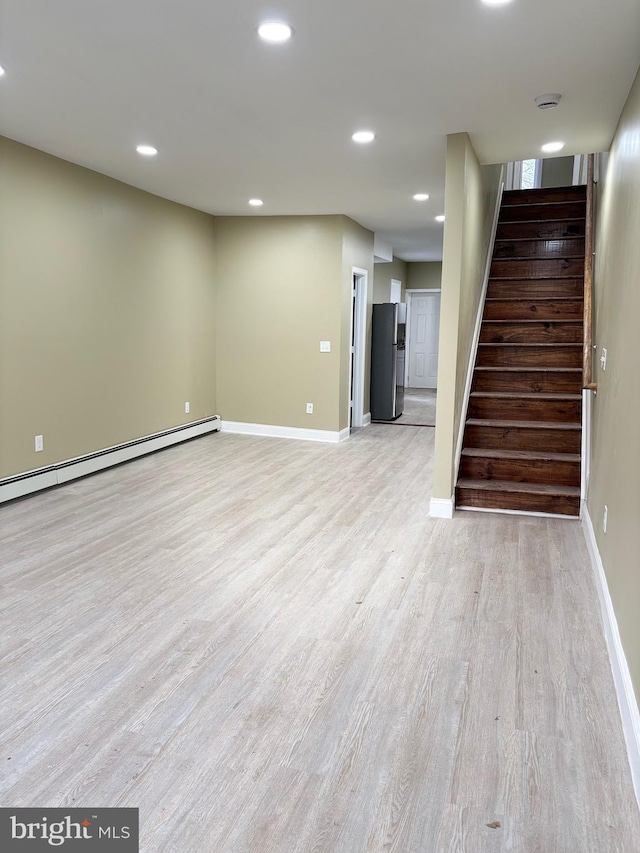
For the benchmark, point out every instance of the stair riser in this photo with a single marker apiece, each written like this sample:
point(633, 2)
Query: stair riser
point(550, 288)
point(554, 504)
point(491, 409)
point(539, 248)
point(531, 333)
point(534, 268)
point(543, 309)
point(556, 230)
point(542, 212)
point(545, 195)
point(518, 471)
point(523, 438)
point(528, 382)
point(500, 355)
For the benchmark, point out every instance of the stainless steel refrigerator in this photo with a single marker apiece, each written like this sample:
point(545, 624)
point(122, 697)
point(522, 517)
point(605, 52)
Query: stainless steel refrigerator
point(387, 363)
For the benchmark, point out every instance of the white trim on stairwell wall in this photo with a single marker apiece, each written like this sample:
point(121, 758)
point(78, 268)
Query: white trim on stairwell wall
point(476, 331)
point(585, 444)
point(627, 701)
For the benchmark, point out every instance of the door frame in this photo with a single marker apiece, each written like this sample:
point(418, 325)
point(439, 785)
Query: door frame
point(357, 334)
point(408, 295)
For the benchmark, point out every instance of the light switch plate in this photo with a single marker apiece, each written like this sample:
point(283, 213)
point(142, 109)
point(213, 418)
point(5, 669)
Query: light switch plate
point(603, 359)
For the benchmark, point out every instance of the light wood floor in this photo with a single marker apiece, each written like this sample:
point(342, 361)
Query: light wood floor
point(267, 646)
point(419, 408)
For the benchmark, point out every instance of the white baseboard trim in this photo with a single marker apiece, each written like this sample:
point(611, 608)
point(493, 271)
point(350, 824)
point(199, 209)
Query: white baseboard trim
point(518, 512)
point(272, 431)
point(71, 469)
point(441, 508)
point(624, 686)
point(366, 420)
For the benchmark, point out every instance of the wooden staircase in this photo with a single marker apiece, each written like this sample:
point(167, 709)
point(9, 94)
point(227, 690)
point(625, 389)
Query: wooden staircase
point(522, 439)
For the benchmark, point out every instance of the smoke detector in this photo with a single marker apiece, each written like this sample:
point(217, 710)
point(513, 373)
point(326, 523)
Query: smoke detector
point(548, 102)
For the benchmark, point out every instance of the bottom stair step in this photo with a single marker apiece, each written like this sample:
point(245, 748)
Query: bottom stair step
point(525, 466)
point(526, 497)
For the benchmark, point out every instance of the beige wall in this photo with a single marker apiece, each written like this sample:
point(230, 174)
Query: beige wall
point(357, 251)
point(615, 471)
point(383, 274)
point(557, 172)
point(427, 274)
point(471, 193)
point(280, 292)
point(106, 311)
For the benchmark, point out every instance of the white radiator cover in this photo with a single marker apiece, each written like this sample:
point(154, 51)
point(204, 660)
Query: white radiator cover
point(71, 469)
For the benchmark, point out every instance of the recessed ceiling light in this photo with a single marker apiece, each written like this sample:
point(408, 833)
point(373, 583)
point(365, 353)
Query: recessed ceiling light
point(496, 2)
point(552, 147)
point(440, 218)
point(3, 70)
point(256, 202)
point(275, 32)
point(421, 196)
point(147, 150)
point(363, 136)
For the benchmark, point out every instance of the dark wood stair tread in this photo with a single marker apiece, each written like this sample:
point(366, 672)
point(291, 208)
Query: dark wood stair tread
point(542, 288)
point(536, 320)
point(531, 281)
point(514, 486)
point(536, 239)
point(532, 298)
point(500, 424)
point(520, 455)
point(525, 344)
point(525, 369)
point(539, 201)
point(516, 395)
point(529, 258)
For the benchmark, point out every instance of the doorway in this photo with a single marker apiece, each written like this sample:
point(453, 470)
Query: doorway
point(357, 352)
point(421, 373)
point(423, 335)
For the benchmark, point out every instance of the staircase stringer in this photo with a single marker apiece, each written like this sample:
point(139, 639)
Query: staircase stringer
point(473, 352)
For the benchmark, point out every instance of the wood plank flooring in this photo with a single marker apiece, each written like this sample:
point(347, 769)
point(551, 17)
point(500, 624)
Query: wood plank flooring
point(266, 645)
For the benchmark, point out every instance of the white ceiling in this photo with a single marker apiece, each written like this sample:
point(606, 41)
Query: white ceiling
point(234, 118)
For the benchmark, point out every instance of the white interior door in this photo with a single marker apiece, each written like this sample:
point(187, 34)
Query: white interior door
point(424, 332)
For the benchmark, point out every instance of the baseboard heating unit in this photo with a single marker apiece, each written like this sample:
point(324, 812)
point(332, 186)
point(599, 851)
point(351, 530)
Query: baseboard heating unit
point(20, 485)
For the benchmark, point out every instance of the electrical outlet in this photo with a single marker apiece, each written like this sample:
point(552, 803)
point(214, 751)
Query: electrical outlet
point(604, 519)
point(309, 408)
point(187, 408)
point(603, 359)
point(39, 444)
point(325, 346)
